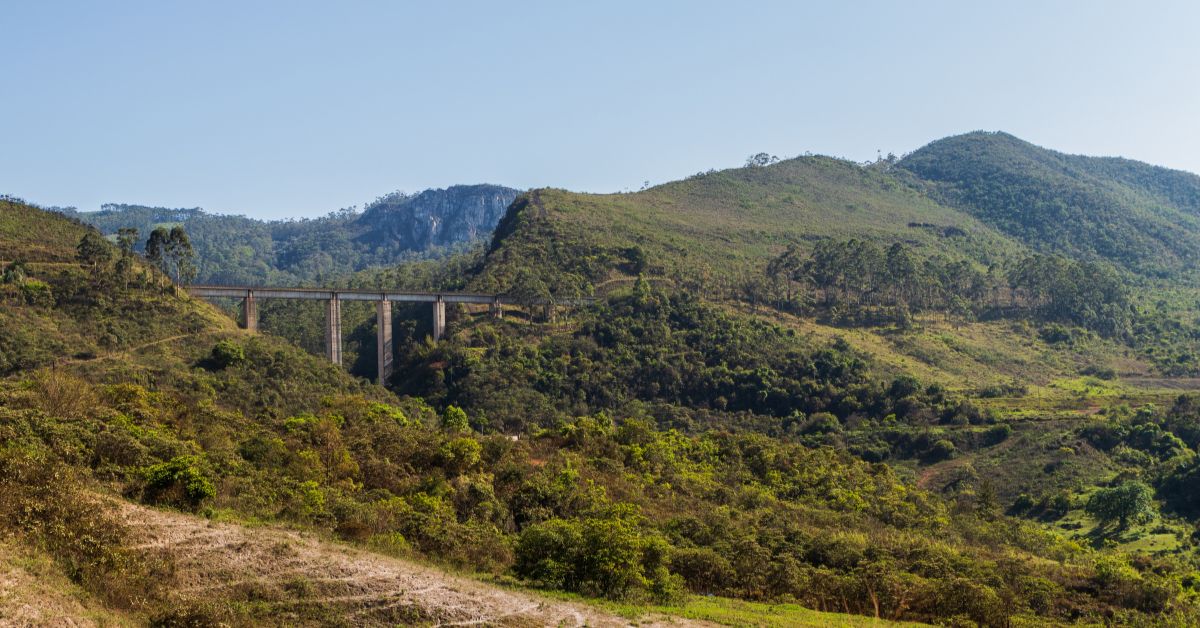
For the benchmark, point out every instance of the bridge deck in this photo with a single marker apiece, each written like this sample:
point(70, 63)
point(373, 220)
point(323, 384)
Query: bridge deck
point(325, 294)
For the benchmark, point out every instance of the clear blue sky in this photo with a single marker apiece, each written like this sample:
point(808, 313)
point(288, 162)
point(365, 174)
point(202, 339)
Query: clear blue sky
point(277, 109)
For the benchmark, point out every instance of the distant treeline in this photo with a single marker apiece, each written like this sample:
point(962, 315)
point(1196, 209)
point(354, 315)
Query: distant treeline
point(858, 280)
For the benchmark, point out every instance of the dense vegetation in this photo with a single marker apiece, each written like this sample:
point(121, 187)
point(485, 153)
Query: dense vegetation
point(856, 280)
point(1129, 213)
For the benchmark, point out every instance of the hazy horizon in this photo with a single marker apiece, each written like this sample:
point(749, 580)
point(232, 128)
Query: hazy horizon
point(296, 110)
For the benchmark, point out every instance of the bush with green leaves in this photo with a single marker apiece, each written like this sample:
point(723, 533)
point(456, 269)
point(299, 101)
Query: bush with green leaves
point(454, 420)
point(608, 554)
point(227, 353)
point(1128, 502)
point(181, 481)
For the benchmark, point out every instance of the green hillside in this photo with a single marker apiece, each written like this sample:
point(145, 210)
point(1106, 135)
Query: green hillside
point(1142, 217)
point(711, 230)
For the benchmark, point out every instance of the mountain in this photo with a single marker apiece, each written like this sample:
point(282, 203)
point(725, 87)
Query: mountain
point(1140, 217)
point(396, 227)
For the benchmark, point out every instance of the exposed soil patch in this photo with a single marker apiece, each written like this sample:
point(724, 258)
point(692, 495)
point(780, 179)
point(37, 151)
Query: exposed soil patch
point(299, 579)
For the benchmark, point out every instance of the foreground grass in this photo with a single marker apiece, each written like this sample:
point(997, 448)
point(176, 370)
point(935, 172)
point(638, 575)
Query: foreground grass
point(728, 612)
point(34, 591)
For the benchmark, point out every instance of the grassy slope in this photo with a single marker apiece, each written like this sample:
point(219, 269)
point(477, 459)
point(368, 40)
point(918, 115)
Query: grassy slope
point(35, 592)
point(714, 229)
point(33, 235)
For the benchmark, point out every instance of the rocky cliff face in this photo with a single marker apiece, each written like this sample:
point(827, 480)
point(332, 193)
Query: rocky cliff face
point(431, 218)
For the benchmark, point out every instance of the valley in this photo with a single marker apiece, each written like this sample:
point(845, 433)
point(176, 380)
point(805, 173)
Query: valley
point(957, 387)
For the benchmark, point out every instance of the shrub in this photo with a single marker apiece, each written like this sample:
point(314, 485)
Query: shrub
point(62, 394)
point(454, 420)
point(459, 455)
point(35, 292)
point(997, 434)
point(546, 553)
point(225, 354)
point(942, 449)
point(608, 556)
point(703, 569)
point(822, 423)
point(1099, 372)
point(180, 481)
point(1055, 333)
point(43, 501)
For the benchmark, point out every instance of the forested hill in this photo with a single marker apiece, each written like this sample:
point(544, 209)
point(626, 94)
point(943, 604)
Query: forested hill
point(394, 228)
point(1142, 217)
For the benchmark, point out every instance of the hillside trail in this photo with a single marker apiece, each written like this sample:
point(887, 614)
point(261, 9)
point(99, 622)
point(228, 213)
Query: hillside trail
point(941, 469)
point(301, 577)
point(122, 352)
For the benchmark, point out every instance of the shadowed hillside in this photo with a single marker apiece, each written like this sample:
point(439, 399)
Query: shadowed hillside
point(1143, 217)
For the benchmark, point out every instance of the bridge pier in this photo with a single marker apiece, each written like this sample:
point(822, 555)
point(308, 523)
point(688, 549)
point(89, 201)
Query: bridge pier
point(439, 318)
point(333, 298)
point(383, 339)
point(250, 312)
point(333, 329)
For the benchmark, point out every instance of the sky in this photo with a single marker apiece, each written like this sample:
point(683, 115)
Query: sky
point(290, 109)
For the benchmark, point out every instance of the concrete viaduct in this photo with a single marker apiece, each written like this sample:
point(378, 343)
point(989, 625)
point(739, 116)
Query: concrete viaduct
point(383, 310)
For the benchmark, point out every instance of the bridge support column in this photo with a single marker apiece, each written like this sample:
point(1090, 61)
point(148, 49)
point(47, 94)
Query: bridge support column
point(383, 337)
point(333, 329)
point(250, 312)
point(439, 319)
point(497, 309)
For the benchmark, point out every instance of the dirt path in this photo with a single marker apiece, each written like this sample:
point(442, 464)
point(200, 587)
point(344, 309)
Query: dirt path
point(108, 356)
point(306, 580)
point(938, 471)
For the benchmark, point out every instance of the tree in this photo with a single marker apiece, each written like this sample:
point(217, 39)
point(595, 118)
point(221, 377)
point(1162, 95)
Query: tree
point(1129, 502)
point(760, 159)
point(156, 248)
point(454, 420)
point(172, 253)
point(183, 256)
point(93, 251)
point(789, 267)
point(126, 238)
